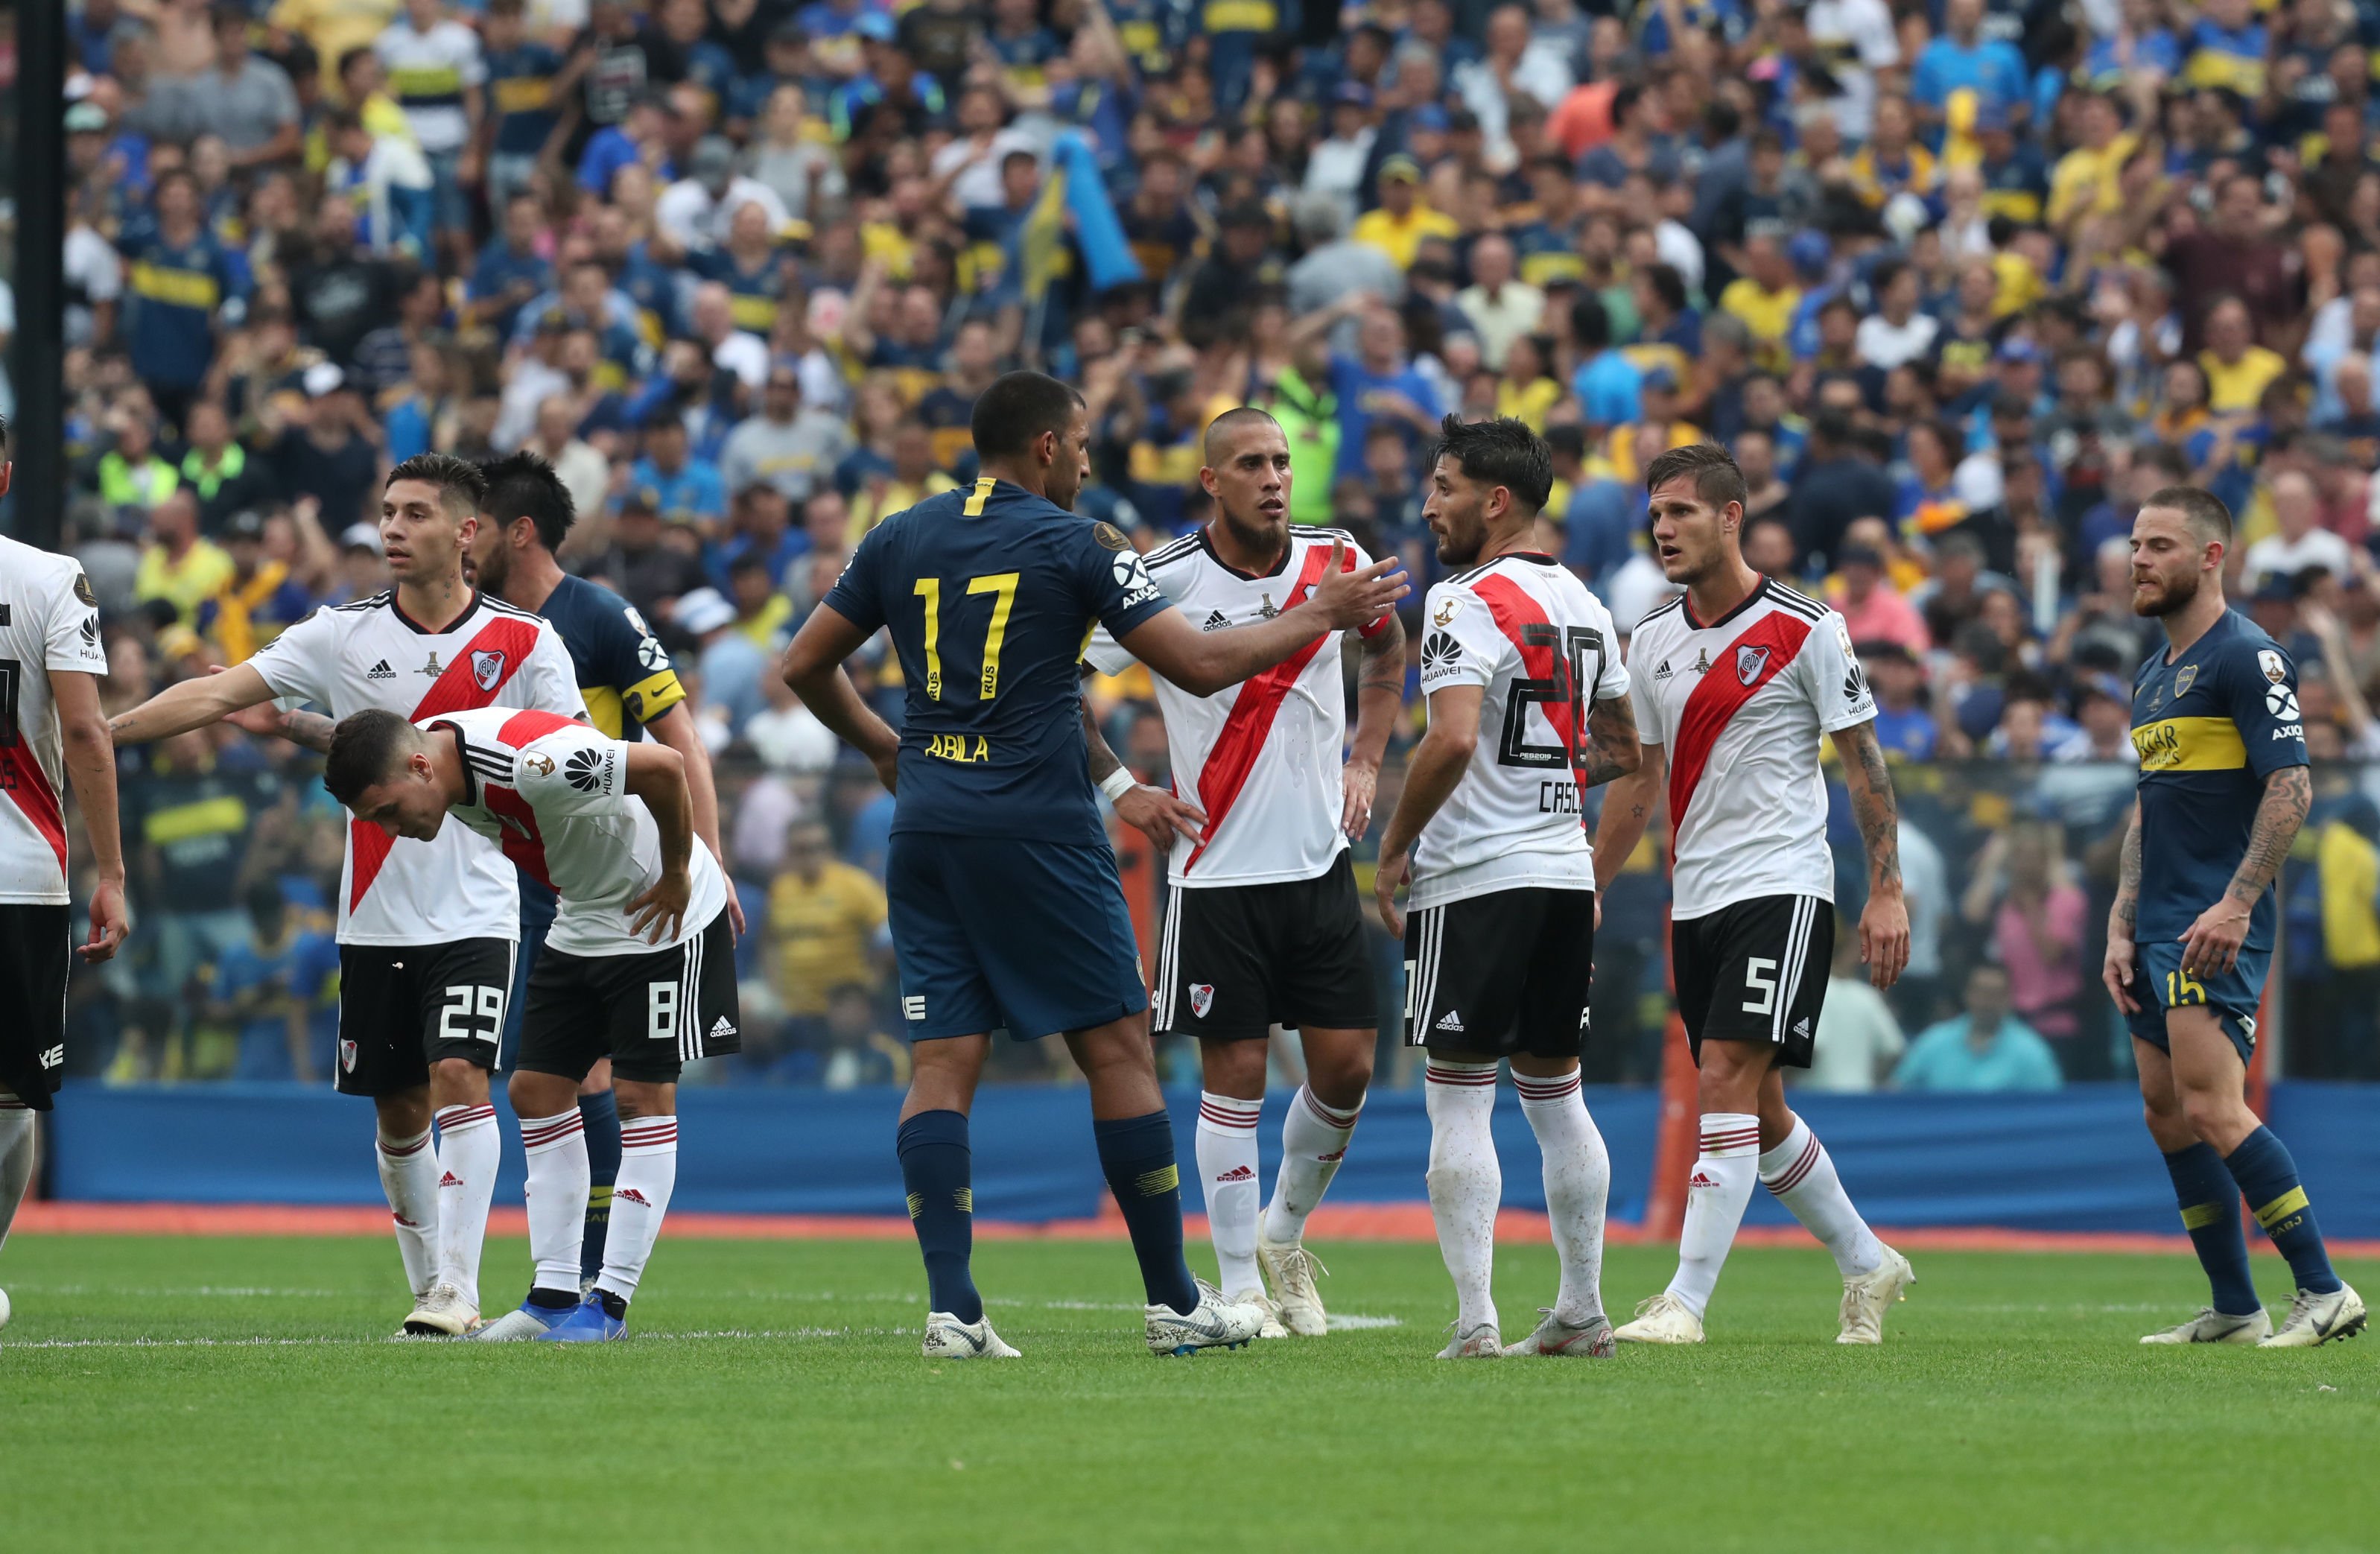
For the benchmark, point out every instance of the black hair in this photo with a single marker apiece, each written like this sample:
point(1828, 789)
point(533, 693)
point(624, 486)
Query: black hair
point(523, 485)
point(1018, 407)
point(1668, 285)
point(365, 748)
point(1717, 480)
point(459, 482)
point(263, 901)
point(1500, 452)
point(1590, 323)
point(1232, 421)
point(2201, 508)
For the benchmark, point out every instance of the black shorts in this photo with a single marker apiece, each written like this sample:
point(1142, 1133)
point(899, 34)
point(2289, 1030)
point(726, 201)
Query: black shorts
point(1755, 971)
point(1236, 960)
point(650, 1015)
point(34, 955)
point(1501, 973)
point(403, 1007)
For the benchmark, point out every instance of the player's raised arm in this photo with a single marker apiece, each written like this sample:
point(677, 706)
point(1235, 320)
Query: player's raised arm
point(813, 670)
point(657, 775)
point(1205, 663)
point(191, 704)
point(1884, 924)
point(90, 756)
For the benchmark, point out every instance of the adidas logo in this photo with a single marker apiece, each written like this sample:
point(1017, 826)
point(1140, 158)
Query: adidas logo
point(451, 1180)
point(629, 1195)
point(380, 670)
point(1214, 622)
point(1452, 1021)
point(1801, 1027)
point(1700, 1179)
point(1663, 672)
point(1238, 1173)
point(722, 1026)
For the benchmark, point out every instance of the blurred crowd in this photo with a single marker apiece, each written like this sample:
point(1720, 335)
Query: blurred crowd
point(1958, 282)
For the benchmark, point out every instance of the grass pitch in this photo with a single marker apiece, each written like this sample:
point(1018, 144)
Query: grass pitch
point(210, 1394)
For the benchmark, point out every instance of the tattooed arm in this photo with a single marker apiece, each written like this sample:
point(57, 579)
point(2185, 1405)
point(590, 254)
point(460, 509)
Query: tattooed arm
point(1612, 751)
point(1884, 925)
point(2123, 917)
point(2213, 942)
point(1628, 806)
point(1380, 698)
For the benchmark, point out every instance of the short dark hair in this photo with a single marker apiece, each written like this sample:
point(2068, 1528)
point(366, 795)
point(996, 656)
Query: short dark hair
point(2201, 508)
point(1590, 322)
point(460, 484)
point(1712, 468)
point(1018, 407)
point(1500, 452)
point(1232, 421)
point(364, 747)
point(1668, 285)
point(523, 485)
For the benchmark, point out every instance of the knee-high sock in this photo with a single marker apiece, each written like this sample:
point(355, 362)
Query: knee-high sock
point(556, 1148)
point(469, 1148)
point(600, 1113)
point(647, 1174)
point(15, 1157)
point(2268, 1178)
point(408, 1175)
point(1226, 1146)
point(1136, 1155)
point(936, 1172)
point(2210, 1212)
point(1801, 1175)
point(1578, 1185)
point(1716, 1194)
point(1467, 1182)
point(1313, 1141)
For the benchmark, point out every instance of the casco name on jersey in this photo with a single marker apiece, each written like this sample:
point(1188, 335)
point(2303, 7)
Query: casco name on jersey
point(955, 746)
point(1557, 799)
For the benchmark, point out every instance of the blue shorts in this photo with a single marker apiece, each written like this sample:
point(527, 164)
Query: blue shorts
point(992, 933)
point(2234, 995)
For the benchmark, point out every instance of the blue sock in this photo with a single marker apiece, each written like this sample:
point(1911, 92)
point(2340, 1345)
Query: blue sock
point(937, 1169)
point(2269, 1178)
point(1136, 1153)
point(602, 1115)
point(2210, 1212)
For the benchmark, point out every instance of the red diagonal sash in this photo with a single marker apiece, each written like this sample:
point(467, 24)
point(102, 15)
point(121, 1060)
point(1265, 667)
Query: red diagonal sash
point(1734, 677)
point(1512, 609)
point(23, 780)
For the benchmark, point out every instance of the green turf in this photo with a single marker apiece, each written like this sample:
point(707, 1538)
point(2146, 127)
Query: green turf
point(775, 1400)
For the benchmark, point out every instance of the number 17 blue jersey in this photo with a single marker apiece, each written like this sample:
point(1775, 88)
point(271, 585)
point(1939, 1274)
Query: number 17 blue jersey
point(990, 594)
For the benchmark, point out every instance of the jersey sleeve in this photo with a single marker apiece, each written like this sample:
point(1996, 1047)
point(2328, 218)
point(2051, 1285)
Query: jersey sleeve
point(553, 683)
point(2261, 693)
point(1463, 646)
point(858, 595)
point(635, 664)
point(299, 662)
point(71, 640)
point(1116, 589)
point(1640, 685)
point(1833, 674)
point(1104, 653)
point(571, 771)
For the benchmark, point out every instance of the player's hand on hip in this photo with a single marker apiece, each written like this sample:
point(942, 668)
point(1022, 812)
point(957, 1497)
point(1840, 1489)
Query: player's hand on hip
point(109, 923)
point(659, 913)
point(2115, 971)
point(1352, 600)
point(1391, 873)
point(1883, 939)
point(1159, 815)
point(2213, 942)
point(1360, 783)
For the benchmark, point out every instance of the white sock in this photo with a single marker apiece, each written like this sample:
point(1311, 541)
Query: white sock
point(1578, 1183)
point(1802, 1175)
point(408, 1175)
point(558, 1178)
point(15, 1157)
point(1313, 1141)
point(639, 1198)
point(1226, 1143)
point(468, 1148)
point(1466, 1184)
point(1716, 1194)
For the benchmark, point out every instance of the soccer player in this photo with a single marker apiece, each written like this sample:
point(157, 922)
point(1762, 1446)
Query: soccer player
point(631, 690)
point(1528, 708)
point(1263, 923)
point(1006, 908)
point(427, 931)
point(50, 663)
point(1736, 683)
point(2224, 786)
point(640, 966)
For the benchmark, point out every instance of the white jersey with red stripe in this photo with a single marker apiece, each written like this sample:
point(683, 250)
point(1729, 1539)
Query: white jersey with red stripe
point(371, 654)
point(1742, 705)
point(48, 621)
point(1544, 650)
point(1262, 757)
point(554, 795)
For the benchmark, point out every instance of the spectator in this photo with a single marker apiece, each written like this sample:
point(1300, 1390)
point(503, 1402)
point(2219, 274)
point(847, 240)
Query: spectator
point(1873, 609)
point(1859, 1039)
point(1403, 219)
point(177, 568)
point(732, 662)
point(790, 446)
point(1500, 308)
point(1837, 482)
point(2301, 542)
point(2035, 919)
point(824, 919)
point(269, 988)
point(1986, 1049)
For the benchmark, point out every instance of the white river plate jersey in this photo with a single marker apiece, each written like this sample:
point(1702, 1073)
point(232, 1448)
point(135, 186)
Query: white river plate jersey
point(48, 620)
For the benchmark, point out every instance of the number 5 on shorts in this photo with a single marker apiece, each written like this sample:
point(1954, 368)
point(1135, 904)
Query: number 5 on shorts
point(1760, 977)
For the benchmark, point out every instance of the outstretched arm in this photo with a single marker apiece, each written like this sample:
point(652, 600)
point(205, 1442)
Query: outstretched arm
point(1431, 777)
point(1203, 662)
point(191, 704)
point(1884, 925)
point(2213, 942)
point(91, 768)
point(1380, 698)
point(813, 668)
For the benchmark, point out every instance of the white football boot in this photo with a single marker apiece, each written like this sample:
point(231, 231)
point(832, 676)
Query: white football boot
point(1290, 1269)
point(443, 1313)
point(1266, 1304)
point(1481, 1342)
point(2211, 1326)
point(1213, 1323)
point(1590, 1338)
point(1662, 1319)
point(2318, 1318)
point(947, 1338)
point(1865, 1295)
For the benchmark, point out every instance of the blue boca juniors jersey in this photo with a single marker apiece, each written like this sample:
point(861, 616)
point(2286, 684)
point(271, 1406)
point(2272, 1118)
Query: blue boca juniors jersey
point(991, 593)
point(2209, 728)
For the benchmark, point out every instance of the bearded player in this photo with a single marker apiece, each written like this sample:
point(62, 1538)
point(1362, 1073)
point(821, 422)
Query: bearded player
point(1737, 683)
point(1263, 924)
point(429, 930)
point(2224, 786)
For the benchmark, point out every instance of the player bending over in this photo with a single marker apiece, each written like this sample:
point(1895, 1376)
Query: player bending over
point(640, 966)
point(1528, 708)
point(1736, 682)
point(1263, 923)
point(1006, 908)
point(50, 663)
point(429, 930)
point(2223, 788)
